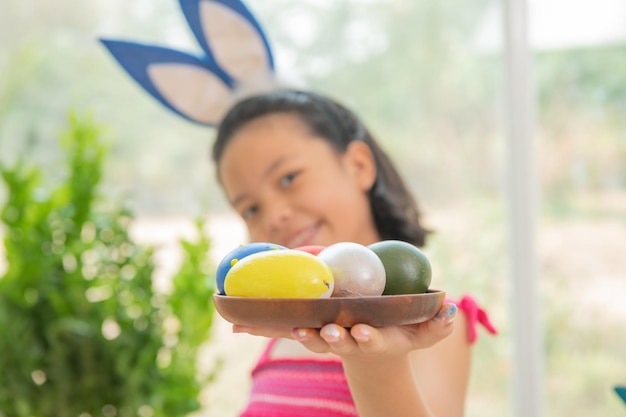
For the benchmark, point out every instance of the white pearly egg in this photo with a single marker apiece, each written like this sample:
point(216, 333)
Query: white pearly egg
point(357, 270)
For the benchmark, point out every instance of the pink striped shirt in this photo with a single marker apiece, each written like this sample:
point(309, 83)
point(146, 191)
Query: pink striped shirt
point(311, 387)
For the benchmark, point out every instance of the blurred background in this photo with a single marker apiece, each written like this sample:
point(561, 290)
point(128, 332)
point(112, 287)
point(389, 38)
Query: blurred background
point(428, 78)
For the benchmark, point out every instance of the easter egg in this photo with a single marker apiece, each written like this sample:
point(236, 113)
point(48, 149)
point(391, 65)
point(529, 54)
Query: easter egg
point(407, 268)
point(312, 249)
point(236, 255)
point(357, 270)
point(285, 273)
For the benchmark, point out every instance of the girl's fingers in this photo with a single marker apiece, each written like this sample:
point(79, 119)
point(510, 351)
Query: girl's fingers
point(439, 326)
point(365, 339)
point(310, 339)
point(422, 335)
point(338, 339)
point(369, 338)
point(330, 338)
point(444, 316)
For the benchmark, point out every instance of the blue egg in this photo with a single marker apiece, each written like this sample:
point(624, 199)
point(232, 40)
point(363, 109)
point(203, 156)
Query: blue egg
point(237, 254)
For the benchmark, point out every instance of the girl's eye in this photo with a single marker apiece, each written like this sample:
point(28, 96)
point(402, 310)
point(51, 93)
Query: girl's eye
point(288, 179)
point(249, 212)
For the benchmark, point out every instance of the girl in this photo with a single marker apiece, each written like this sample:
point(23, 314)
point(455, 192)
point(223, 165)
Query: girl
point(301, 169)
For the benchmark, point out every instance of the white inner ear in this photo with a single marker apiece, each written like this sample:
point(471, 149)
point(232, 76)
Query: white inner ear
point(195, 92)
point(235, 43)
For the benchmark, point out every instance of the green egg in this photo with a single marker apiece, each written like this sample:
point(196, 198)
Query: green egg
point(407, 269)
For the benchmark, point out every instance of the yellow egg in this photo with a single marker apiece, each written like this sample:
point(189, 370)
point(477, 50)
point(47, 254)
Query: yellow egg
point(281, 274)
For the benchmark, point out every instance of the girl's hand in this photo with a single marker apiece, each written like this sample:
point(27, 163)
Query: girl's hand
point(364, 342)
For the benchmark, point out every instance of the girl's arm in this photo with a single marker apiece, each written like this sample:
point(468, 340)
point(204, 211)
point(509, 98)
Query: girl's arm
point(418, 370)
point(386, 389)
point(442, 372)
point(413, 370)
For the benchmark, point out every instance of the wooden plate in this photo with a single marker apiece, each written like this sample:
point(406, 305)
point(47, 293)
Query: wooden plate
point(386, 310)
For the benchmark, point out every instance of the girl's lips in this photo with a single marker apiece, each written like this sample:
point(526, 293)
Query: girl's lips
point(302, 237)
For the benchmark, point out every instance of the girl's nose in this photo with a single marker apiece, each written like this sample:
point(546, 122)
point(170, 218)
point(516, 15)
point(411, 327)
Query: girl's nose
point(278, 213)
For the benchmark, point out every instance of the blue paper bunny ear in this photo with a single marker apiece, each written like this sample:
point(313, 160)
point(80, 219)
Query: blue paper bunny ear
point(621, 392)
point(228, 31)
point(236, 57)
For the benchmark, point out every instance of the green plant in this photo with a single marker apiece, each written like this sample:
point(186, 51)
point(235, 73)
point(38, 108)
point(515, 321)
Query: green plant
point(83, 331)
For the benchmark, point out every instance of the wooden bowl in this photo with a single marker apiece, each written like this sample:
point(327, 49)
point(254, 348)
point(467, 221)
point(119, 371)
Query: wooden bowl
point(386, 310)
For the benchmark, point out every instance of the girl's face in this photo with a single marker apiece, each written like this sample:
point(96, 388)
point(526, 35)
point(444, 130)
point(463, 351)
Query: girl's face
point(294, 189)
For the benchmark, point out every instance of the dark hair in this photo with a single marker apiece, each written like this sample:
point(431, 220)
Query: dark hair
point(395, 211)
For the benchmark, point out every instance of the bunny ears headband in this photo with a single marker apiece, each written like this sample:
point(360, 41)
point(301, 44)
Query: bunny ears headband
point(236, 58)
